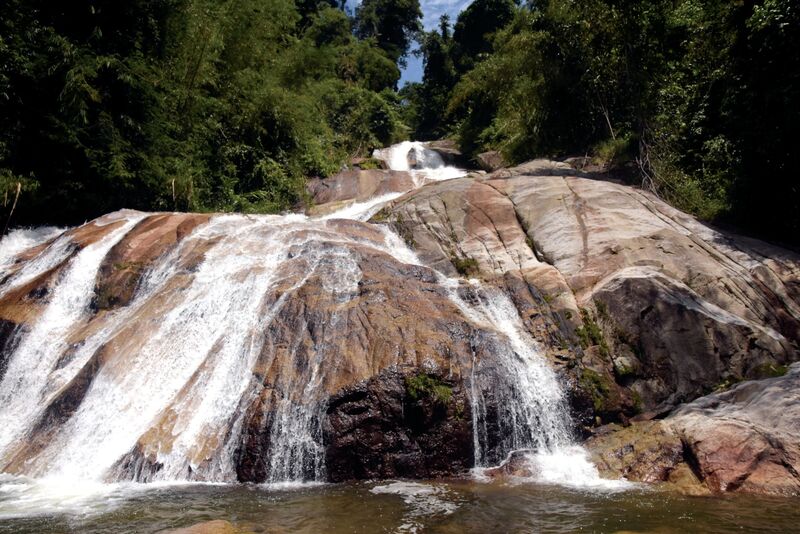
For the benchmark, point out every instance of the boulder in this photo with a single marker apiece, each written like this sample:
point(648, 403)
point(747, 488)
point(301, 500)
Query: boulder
point(490, 161)
point(746, 440)
point(347, 187)
point(384, 428)
point(449, 152)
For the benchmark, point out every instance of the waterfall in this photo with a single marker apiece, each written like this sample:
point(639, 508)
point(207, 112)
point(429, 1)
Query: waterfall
point(25, 386)
point(173, 371)
point(22, 239)
point(424, 164)
point(533, 413)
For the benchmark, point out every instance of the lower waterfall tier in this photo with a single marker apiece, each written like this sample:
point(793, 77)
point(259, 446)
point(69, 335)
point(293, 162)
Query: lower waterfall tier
point(471, 318)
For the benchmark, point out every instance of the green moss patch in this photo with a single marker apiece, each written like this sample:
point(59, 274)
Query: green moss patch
point(590, 334)
point(599, 387)
point(423, 386)
point(770, 370)
point(465, 266)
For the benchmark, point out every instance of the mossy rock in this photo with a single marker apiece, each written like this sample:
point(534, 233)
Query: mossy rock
point(423, 386)
point(769, 370)
point(465, 266)
point(598, 387)
point(590, 334)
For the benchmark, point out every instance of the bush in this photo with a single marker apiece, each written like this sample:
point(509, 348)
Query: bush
point(465, 266)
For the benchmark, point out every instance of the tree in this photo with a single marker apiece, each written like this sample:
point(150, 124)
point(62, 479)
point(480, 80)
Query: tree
point(392, 23)
point(474, 29)
point(181, 104)
point(439, 77)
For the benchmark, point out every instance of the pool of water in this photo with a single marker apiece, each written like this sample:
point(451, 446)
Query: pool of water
point(452, 506)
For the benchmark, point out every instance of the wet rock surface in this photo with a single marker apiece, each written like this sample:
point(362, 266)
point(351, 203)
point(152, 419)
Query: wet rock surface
point(643, 312)
point(517, 465)
point(125, 264)
point(340, 318)
point(7, 343)
point(384, 428)
point(450, 153)
point(347, 187)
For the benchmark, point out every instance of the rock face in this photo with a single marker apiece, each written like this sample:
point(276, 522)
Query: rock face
point(242, 348)
point(642, 307)
point(746, 439)
point(351, 186)
point(664, 308)
point(278, 348)
point(490, 161)
point(450, 153)
point(384, 428)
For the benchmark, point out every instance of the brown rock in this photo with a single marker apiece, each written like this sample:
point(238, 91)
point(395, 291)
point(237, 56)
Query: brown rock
point(208, 527)
point(517, 465)
point(644, 452)
point(350, 186)
point(378, 429)
point(673, 307)
point(744, 440)
point(129, 259)
point(490, 161)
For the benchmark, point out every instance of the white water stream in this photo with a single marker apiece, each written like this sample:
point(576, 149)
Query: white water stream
point(179, 360)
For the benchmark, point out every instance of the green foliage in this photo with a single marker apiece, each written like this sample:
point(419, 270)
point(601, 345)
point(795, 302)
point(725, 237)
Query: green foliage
point(770, 370)
point(602, 310)
point(422, 386)
point(616, 151)
point(704, 96)
point(465, 266)
point(590, 333)
point(370, 164)
point(638, 404)
point(726, 384)
point(597, 386)
point(392, 23)
point(429, 100)
point(445, 58)
point(183, 104)
point(472, 35)
point(232, 104)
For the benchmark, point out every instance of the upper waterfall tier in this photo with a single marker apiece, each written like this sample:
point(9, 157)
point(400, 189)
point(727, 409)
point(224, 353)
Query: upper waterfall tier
point(418, 159)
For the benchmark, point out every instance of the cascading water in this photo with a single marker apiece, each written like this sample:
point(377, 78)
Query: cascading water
point(182, 361)
point(533, 416)
point(423, 163)
point(26, 384)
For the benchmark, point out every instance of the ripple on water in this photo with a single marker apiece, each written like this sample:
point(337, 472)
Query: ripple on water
point(422, 500)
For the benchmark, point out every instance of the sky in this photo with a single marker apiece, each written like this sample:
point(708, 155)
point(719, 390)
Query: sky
point(431, 11)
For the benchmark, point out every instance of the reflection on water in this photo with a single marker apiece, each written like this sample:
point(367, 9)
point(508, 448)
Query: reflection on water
point(453, 506)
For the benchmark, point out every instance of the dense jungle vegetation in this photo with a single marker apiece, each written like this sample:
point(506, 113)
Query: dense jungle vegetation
point(190, 104)
point(232, 104)
point(700, 99)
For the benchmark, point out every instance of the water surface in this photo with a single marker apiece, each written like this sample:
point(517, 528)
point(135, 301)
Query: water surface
point(388, 506)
